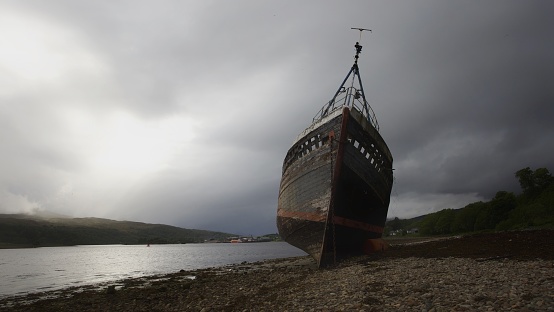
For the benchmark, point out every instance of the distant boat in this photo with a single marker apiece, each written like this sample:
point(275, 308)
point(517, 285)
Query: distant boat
point(337, 178)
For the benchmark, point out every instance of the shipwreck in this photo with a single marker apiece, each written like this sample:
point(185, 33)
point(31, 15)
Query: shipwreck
point(337, 178)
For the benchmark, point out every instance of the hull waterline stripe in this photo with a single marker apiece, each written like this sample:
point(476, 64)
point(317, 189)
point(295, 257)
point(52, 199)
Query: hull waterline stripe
point(336, 219)
point(357, 225)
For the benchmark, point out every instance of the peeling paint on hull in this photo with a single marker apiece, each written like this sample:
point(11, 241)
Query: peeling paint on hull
point(335, 187)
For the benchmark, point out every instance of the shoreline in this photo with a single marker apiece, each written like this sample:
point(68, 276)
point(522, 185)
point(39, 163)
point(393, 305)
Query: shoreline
point(185, 278)
point(431, 276)
point(295, 284)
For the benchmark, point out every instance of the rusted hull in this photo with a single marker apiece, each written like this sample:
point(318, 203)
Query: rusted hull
point(335, 188)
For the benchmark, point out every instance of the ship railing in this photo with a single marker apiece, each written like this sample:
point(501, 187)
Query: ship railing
point(351, 98)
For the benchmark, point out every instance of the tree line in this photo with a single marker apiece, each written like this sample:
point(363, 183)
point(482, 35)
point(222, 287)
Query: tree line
point(534, 207)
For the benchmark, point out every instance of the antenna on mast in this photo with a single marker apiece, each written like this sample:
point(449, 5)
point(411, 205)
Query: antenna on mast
point(361, 30)
point(358, 46)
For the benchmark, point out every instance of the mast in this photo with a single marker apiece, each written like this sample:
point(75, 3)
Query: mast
point(353, 97)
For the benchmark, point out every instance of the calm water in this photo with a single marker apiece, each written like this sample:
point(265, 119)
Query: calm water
point(41, 269)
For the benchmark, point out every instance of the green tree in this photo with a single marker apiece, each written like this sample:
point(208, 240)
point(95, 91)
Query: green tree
point(444, 221)
point(533, 182)
point(438, 223)
point(428, 224)
point(526, 180)
point(500, 207)
point(543, 178)
point(535, 207)
point(484, 219)
point(465, 217)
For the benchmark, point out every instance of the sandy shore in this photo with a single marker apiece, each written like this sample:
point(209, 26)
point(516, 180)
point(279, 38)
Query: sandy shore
point(393, 281)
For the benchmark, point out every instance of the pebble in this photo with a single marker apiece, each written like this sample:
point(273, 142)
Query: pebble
point(398, 284)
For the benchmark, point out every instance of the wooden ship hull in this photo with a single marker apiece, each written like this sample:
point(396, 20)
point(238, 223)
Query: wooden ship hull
point(336, 182)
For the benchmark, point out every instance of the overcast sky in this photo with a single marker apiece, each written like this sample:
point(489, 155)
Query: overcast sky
point(181, 112)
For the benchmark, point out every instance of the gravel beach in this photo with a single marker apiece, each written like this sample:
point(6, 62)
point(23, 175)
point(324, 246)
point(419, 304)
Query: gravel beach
point(482, 272)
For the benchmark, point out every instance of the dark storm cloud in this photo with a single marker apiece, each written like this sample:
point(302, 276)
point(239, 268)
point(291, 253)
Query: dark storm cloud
point(472, 100)
point(181, 112)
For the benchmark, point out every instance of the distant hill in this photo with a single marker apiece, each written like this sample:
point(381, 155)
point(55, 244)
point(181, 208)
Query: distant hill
point(532, 209)
point(20, 230)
